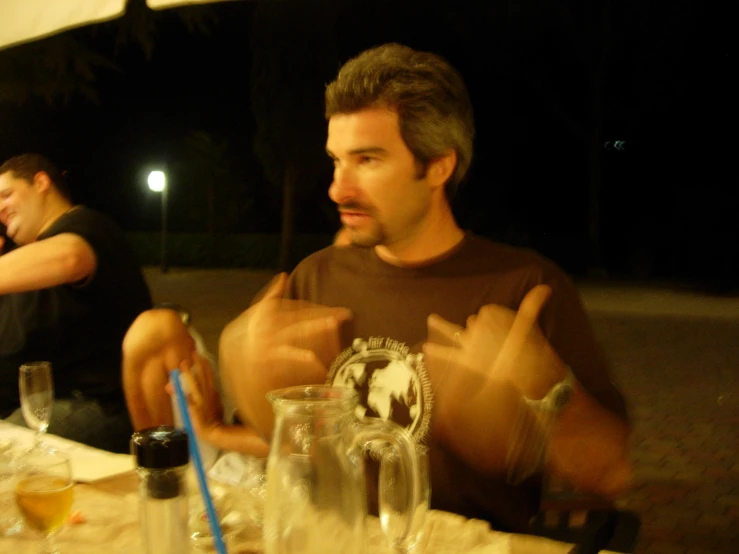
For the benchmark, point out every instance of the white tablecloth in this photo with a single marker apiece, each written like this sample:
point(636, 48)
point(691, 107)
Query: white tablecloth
point(107, 511)
point(88, 464)
point(110, 524)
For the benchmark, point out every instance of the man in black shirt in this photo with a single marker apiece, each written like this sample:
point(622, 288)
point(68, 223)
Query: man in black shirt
point(485, 349)
point(68, 293)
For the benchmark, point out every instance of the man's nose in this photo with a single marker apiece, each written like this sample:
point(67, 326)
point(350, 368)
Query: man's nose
point(342, 187)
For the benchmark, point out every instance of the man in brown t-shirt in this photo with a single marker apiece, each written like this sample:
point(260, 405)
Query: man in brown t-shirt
point(419, 314)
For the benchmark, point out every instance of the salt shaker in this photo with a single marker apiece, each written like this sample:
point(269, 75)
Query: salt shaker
point(162, 458)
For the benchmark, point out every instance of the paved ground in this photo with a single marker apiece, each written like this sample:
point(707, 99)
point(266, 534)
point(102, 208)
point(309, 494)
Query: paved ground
point(676, 357)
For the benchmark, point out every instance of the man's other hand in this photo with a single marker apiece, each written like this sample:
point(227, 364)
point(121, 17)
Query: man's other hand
point(278, 343)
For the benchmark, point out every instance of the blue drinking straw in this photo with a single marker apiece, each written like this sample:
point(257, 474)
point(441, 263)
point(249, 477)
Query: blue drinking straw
point(215, 526)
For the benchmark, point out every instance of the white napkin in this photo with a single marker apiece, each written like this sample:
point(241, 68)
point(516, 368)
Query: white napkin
point(235, 468)
point(88, 464)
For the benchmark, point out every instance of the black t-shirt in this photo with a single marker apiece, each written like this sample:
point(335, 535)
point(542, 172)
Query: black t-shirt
point(79, 327)
point(381, 347)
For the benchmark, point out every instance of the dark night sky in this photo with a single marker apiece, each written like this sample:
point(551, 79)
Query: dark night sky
point(666, 93)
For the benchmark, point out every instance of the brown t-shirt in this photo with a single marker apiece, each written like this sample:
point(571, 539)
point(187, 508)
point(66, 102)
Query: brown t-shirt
point(382, 343)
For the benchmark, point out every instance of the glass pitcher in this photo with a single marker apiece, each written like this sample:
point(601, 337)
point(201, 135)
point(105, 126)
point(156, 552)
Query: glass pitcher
point(316, 499)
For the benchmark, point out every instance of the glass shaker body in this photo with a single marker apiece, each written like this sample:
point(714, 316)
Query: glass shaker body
point(162, 459)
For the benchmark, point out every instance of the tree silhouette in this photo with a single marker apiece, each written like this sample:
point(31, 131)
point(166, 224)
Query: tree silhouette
point(212, 194)
point(53, 68)
point(598, 68)
point(60, 66)
point(294, 56)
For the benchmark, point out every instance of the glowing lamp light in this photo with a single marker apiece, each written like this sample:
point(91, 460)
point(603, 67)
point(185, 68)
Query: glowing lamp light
point(157, 181)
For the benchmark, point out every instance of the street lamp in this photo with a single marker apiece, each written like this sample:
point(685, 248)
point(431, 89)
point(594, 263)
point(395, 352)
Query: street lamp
point(158, 183)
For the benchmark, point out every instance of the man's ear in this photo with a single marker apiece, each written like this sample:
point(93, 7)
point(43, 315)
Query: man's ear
point(441, 168)
point(42, 181)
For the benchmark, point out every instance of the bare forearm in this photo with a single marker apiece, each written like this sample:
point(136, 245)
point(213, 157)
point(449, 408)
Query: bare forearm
point(156, 343)
point(61, 259)
point(241, 380)
point(496, 432)
point(589, 447)
point(238, 438)
point(478, 427)
point(251, 376)
point(250, 383)
point(146, 398)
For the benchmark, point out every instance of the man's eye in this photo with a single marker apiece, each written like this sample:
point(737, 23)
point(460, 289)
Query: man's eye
point(364, 160)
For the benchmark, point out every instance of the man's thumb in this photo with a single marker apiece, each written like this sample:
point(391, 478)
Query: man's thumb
point(528, 312)
point(277, 287)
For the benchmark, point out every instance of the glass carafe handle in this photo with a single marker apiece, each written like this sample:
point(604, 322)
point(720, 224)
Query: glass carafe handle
point(400, 444)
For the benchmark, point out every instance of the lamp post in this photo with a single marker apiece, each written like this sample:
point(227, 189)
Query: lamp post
point(158, 183)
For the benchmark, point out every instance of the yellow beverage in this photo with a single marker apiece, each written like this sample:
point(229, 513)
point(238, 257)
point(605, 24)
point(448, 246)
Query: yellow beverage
point(45, 501)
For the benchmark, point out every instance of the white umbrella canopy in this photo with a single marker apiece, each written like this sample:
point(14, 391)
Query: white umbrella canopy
point(26, 20)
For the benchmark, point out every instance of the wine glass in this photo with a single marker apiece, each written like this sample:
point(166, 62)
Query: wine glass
point(44, 493)
point(37, 396)
point(394, 492)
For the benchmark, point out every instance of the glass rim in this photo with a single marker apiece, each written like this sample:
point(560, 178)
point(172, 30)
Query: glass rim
point(32, 365)
point(44, 459)
point(327, 395)
point(44, 491)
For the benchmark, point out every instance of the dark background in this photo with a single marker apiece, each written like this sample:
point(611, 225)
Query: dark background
point(554, 83)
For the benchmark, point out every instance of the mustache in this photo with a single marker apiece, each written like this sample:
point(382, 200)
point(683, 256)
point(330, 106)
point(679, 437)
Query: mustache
point(354, 207)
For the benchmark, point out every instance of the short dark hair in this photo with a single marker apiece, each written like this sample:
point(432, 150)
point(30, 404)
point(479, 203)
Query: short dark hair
point(26, 166)
point(431, 100)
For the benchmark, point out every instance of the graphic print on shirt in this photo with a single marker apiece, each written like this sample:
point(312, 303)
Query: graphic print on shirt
point(392, 383)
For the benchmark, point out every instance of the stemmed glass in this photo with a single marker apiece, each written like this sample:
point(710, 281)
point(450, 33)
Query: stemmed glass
point(44, 493)
point(37, 396)
point(393, 483)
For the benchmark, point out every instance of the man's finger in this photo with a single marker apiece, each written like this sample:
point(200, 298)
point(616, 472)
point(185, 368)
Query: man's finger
point(534, 301)
point(320, 336)
point(438, 359)
point(529, 310)
point(291, 329)
point(203, 373)
point(276, 289)
point(471, 320)
point(441, 331)
point(446, 364)
point(288, 315)
point(292, 366)
point(527, 317)
point(200, 386)
point(190, 387)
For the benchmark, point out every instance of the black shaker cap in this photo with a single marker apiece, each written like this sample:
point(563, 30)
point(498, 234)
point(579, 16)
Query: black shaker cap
point(160, 447)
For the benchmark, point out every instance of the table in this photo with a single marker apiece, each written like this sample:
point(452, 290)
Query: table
point(109, 508)
point(88, 464)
